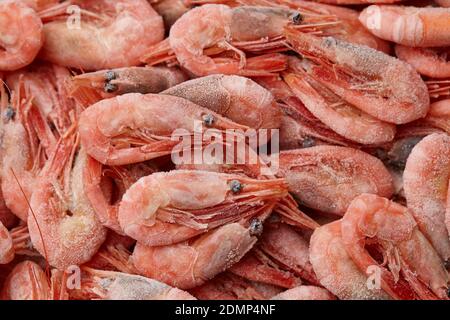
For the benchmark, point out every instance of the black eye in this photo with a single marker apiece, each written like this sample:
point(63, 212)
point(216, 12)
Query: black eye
point(9, 113)
point(110, 87)
point(235, 186)
point(308, 142)
point(256, 227)
point(208, 120)
point(297, 18)
point(110, 75)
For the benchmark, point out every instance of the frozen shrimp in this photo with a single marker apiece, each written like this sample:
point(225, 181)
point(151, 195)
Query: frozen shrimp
point(413, 268)
point(153, 209)
point(110, 34)
point(63, 226)
point(240, 99)
point(431, 62)
point(335, 269)
point(425, 181)
point(91, 87)
point(409, 26)
point(110, 285)
point(216, 25)
point(374, 82)
point(189, 264)
point(21, 35)
point(170, 10)
point(317, 176)
point(340, 116)
point(133, 127)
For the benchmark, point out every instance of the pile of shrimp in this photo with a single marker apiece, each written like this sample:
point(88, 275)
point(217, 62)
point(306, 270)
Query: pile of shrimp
point(93, 204)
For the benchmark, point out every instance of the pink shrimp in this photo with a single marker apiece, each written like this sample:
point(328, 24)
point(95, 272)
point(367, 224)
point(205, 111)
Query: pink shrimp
point(426, 186)
point(305, 293)
point(89, 88)
point(216, 25)
point(133, 127)
point(409, 26)
point(27, 141)
point(374, 82)
point(112, 34)
point(340, 116)
point(413, 266)
point(63, 226)
point(110, 285)
point(317, 176)
point(240, 99)
point(335, 269)
point(189, 264)
point(431, 62)
point(165, 208)
point(21, 35)
point(27, 281)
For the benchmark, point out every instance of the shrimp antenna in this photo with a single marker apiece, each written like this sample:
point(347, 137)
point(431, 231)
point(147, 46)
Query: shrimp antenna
point(47, 268)
point(6, 86)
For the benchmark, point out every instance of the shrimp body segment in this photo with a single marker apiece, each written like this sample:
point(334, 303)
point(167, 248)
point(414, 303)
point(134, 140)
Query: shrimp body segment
point(189, 264)
point(21, 35)
point(409, 26)
point(427, 61)
point(425, 181)
point(327, 178)
point(378, 84)
point(113, 34)
point(133, 127)
point(305, 293)
point(408, 253)
point(198, 200)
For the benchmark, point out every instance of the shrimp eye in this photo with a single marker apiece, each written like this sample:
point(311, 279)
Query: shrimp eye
point(110, 75)
point(329, 42)
point(235, 186)
point(9, 113)
point(110, 87)
point(297, 18)
point(208, 119)
point(256, 227)
point(308, 142)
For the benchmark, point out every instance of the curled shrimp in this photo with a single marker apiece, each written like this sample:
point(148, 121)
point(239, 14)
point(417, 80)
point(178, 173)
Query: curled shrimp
point(63, 226)
point(431, 62)
point(409, 26)
point(413, 268)
point(340, 116)
point(165, 208)
point(239, 99)
point(216, 25)
point(27, 281)
point(21, 35)
point(425, 181)
point(110, 285)
point(335, 269)
point(188, 264)
point(317, 176)
point(133, 127)
point(374, 82)
point(111, 34)
point(305, 293)
point(88, 88)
